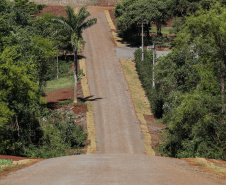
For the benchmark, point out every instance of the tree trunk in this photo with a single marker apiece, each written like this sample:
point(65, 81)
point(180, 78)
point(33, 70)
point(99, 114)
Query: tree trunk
point(159, 29)
point(222, 71)
point(75, 73)
point(148, 31)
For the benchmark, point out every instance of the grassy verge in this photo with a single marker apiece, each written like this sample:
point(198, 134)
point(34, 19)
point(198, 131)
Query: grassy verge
point(118, 40)
point(61, 83)
point(214, 166)
point(89, 115)
point(16, 165)
point(140, 101)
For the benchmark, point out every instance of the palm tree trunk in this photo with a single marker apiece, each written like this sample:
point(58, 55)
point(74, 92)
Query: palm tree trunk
point(75, 73)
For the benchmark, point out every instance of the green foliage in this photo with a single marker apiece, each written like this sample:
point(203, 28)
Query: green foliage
point(67, 102)
point(5, 162)
point(74, 24)
point(177, 24)
point(130, 14)
point(192, 79)
point(3, 5)
point(144, 69)
point(61, 83)
point(28, 50)
point(195, 129)
point(28, 7)
point(60, 134)
point(190, 86)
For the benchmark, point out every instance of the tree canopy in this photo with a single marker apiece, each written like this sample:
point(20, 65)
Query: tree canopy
point(189, 93)
point(131, 13)
point(74, 25)
point(28, 47)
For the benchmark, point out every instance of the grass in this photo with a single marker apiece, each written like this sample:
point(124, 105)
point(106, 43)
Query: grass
point(118, 40)
point(165, 30)
point(16, 165)
point(61, 83)
point(213, 166)
point(5, 162)
point(140, 101)
point(89, 115)
point(67, 102)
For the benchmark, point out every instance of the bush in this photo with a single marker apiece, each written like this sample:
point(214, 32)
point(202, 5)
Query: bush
point(195, 129)
point(60, 133)
point(145, 71)
point(64, 68)
point(156, 101)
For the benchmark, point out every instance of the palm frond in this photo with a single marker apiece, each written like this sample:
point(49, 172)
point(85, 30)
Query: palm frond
point(63, 22)
point(71, 19)
point(88, 23)
point(82, 15)
point(61, 32)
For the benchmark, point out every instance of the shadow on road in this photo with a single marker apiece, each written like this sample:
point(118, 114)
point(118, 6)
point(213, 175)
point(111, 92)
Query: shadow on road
point(89, 98)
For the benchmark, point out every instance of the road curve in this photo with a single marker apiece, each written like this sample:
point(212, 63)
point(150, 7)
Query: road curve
point(120, 157)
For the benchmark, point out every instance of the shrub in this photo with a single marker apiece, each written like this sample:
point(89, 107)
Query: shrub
point(60, 133)
point(145, 71)
point(195, 129)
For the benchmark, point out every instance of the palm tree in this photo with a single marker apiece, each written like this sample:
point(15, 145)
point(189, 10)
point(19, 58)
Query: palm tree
point(74, 25)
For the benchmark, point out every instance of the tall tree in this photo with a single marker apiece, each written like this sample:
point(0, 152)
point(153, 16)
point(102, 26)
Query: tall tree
point(75, 24)
point(194, 87)
point(205, 33)
point(132, 12)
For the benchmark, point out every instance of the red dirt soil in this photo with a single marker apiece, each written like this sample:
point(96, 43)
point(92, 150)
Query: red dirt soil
point(55, 97)
point(154, 131)
point(111, 12)
point(56, 10)
point(14, 158)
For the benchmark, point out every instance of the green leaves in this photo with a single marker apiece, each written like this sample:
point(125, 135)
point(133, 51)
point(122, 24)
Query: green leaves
point(194, 126)
point(194, 107)
point(190, 87)
point(75, 24)
point(130, 14)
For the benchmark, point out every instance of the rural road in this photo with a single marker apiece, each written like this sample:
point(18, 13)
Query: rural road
point(120, 157)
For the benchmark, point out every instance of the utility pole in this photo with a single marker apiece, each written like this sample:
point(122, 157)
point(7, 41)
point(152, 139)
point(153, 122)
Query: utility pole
point(142, 41)
point(153, 72)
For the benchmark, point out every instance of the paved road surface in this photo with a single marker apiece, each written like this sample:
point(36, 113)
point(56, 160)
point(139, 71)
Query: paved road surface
point(120, 157)
point(117, 129)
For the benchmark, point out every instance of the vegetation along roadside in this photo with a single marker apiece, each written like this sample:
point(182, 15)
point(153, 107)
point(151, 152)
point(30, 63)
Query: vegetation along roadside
point(189, 91)
point(34, 61)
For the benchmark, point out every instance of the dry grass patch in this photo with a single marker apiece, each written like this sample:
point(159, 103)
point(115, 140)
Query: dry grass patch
point(16, 165)
point(108, 17)
point(140, 101)
point(214, 166)
point(118, 40)
point(89, 115)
